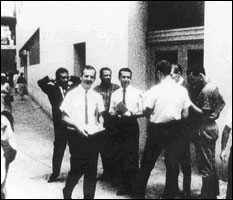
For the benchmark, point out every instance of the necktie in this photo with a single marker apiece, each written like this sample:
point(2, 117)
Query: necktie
point(124, 91)
point(86, 108)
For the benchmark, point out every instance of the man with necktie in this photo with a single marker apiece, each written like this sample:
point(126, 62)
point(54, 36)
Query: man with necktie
point(82, 108)
point(125, 107)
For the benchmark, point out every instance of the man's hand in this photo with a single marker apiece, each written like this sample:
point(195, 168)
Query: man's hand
point(81, 131)
point(223, 156)
point(128, 114)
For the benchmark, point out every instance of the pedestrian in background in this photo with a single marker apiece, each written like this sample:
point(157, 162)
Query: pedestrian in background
point(56, 91)
point(15, 79)
point(22, 83)
point(6, 96)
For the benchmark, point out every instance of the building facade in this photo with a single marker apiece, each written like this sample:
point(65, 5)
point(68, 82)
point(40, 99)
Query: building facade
point(8, 38)
point(125, 34)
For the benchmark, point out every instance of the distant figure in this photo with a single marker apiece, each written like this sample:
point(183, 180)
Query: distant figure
point(176, 74)
point(15, 79)
point(6, 97)
point(22, 82)
point(56, 91)
point(8, 148)
point(225, 136)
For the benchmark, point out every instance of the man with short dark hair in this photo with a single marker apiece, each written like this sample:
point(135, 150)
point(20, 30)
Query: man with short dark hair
point(166, 106)
point(106, 88)
point(82, 111)
point(125, 107)
point(211, 102)
point(56, 91)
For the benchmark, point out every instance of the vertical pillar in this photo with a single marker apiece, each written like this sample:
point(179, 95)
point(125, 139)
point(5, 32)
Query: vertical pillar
point(137, 52)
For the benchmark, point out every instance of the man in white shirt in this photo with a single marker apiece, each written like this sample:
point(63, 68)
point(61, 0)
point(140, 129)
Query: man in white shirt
point(82, 108)
point(167, 104)
point(15, 78)
point(8, 147)
point(125, 107)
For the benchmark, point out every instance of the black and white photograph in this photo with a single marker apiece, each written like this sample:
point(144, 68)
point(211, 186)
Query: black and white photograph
point(116, 99)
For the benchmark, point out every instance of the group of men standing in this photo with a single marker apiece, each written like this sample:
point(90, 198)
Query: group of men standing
point(112, 111)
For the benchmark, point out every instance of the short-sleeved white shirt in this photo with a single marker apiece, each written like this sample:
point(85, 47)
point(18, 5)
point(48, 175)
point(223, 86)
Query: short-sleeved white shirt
point(229, 119)
point(168, 100)
point(74, 105)
point(133, 100)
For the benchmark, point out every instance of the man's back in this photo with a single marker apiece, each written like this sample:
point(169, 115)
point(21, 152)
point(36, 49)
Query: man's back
point(167, 100)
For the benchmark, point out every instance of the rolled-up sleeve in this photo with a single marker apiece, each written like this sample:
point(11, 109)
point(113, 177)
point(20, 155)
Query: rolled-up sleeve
point(67, 106)
point(150, 100)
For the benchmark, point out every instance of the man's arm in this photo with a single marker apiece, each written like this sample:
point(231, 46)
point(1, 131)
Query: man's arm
point(148, 112)
point(75, 81)
point(219, 104)
point(46, 84)
point(225, 137)
point(70, 123)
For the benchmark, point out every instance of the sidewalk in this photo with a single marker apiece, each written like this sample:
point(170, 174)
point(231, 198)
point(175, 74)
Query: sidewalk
point(29, 172)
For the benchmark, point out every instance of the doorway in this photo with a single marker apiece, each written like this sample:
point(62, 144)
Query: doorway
point(79, 58)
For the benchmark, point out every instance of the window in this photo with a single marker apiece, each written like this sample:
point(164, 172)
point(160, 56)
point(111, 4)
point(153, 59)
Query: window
point(164, 15)
point(34, 49)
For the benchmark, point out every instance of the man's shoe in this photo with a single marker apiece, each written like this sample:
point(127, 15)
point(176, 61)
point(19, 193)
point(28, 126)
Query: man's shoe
point(66, 195)
point(52, 179)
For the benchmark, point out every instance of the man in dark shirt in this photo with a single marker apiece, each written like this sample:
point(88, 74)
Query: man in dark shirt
point(56, 91)
point(211, 103)
point(106, 88)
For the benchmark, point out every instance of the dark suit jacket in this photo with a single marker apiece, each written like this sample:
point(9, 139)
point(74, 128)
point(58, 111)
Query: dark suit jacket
point(55, 96)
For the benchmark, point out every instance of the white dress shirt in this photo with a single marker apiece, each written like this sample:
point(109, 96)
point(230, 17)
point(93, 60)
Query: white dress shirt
point(74, 105)
point(167, 100)
point(133, 100)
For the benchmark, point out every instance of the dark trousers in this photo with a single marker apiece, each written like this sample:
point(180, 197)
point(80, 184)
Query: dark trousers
point(127, 150)
point(178, 156)
point(84, 158)
point(205, 151)
point(161, 136)
point(107, 153)
point(60, 142)
point(229, 187)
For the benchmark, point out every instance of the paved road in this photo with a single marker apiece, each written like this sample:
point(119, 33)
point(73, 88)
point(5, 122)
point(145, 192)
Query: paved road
point(29, 172)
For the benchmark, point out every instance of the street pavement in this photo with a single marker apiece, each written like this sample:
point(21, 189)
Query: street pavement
point(29, 172)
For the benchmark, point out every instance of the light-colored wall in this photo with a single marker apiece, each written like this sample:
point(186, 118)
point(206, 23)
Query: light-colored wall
point(137, 51)
point(102, 25)
point(218, 52)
